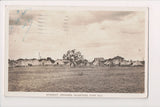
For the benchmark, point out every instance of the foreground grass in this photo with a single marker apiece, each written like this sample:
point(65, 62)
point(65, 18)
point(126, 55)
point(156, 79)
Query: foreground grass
point(63, 79)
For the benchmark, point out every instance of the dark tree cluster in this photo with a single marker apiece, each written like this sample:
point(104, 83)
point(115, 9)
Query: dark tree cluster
point(75, 57)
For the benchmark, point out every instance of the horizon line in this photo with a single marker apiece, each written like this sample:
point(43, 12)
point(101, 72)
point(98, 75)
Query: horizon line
point(84, 58)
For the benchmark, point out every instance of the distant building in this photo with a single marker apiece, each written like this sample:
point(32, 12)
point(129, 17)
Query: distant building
point(45, 62)
point(98, 61)
point(30, 62)
point(61, 62)
point(34, 62)
point(117, 60)
point(23, 62)
point(27, 62)
point(137, 63)
point(108, 62)
point(126, 63)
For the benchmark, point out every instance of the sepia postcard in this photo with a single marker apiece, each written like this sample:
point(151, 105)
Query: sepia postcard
point(69, 51)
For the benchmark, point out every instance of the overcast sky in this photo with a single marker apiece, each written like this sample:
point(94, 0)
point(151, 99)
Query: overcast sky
point(95, 33)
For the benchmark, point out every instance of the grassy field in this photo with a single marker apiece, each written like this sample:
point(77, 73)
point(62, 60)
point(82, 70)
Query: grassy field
point(63, 79)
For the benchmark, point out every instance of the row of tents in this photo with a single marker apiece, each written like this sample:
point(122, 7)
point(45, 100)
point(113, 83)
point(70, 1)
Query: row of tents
point(116, 61)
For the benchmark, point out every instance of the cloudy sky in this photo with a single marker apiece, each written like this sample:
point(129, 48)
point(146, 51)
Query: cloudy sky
point(95, 33)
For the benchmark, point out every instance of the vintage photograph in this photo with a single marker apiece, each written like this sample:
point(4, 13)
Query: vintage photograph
point(76, 50)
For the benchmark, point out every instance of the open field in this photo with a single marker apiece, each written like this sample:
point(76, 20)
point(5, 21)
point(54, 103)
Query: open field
point(88, 79)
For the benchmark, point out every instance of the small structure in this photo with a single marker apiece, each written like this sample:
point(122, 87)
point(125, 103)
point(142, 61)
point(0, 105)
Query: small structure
point(46, 62)
point(34, 62)
point(59, 62)
point(126, 63)
point(117, 60)
point(22, 62)
point(108, 62)
point(137, 63)
point(98, 61)
point(27, 62)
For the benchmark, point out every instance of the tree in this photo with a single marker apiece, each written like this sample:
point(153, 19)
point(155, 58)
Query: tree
point(50, 59)
point(75, 57)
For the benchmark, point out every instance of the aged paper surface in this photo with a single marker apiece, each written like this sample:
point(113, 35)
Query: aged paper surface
point(76, 51)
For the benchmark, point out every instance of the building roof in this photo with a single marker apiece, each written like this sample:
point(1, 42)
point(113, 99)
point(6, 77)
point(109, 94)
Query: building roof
point(100, 58)
point(118, 57)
